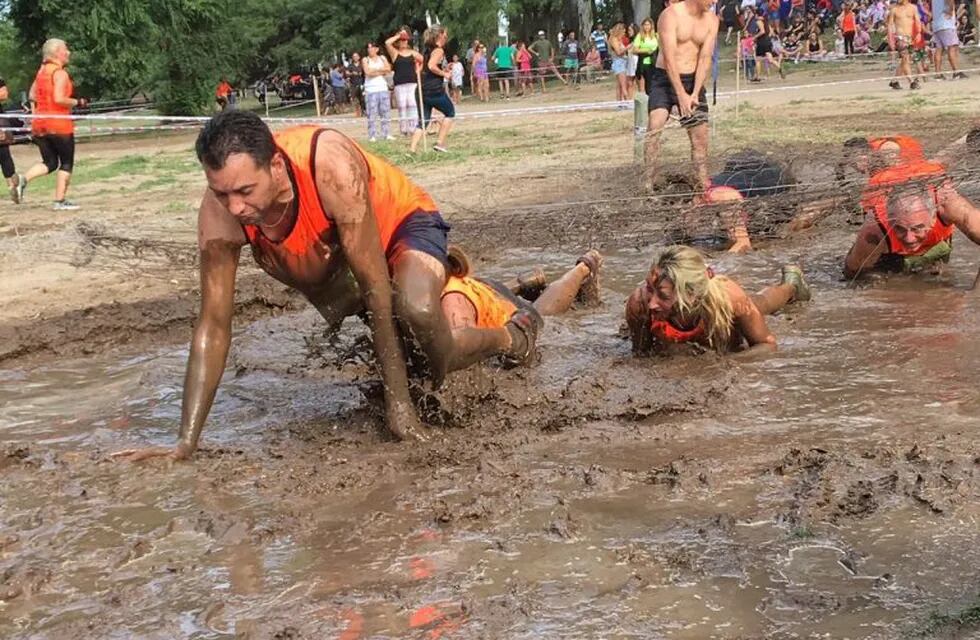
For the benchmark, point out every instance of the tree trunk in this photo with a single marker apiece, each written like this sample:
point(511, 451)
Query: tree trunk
point(584, 12)
point(641, 10)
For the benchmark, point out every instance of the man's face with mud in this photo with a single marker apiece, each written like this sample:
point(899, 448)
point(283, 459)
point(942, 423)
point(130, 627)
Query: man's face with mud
point(247, 189)
point(660, 295)
point(911, 218)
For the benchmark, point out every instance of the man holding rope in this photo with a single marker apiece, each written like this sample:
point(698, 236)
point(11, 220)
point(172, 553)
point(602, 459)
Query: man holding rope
point(687, 31)
point(347, 230)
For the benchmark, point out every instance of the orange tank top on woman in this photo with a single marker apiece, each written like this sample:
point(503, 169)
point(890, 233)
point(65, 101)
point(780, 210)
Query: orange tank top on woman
point(44, 103)
point(492, 309)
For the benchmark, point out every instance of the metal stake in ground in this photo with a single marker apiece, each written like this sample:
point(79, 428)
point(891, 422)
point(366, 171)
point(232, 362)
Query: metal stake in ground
point(316, 94)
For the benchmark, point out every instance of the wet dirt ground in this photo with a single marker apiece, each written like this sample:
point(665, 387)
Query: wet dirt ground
point(828, 490)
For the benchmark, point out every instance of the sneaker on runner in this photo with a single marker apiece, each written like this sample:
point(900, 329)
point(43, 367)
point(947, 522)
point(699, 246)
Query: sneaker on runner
point(21, 187)
point(793, 276)
point(942, 76)
point(440, 149)
point(65, 205)
point(894, 84)
point(959, 75)
point(915, 84)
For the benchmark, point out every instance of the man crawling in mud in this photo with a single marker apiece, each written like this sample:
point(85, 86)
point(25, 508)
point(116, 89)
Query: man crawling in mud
point(347, 230)
point(912, 211)
point(682, 301)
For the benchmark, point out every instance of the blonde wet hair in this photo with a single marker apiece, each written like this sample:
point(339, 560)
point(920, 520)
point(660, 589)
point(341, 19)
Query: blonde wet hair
point(618, 30)
point(51, 47)
point(698, 294)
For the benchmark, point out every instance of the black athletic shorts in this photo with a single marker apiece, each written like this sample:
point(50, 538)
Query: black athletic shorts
point(421, 231)
point(57, 151)
point(661, 95)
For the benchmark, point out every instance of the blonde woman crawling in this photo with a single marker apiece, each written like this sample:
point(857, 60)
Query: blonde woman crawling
point(683, 301)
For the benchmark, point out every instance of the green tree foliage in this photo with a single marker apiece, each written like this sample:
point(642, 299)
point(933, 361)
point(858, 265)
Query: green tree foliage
point(177, 50)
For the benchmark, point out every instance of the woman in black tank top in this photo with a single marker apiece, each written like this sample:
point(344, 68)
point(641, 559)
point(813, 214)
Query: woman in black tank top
point(403, 61)
point(434, 94)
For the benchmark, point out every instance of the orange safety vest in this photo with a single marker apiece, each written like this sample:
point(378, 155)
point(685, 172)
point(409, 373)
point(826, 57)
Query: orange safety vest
point(666, 332)
point(44, 103)
point(393, 198)
point(875, 198)
point(492, 309)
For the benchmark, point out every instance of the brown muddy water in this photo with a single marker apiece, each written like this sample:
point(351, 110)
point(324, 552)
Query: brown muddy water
point(829, 490)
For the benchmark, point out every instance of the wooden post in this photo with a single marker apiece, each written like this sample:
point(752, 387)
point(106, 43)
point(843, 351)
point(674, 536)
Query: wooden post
point(265, 98)
point(738, 73)
point(316, 93)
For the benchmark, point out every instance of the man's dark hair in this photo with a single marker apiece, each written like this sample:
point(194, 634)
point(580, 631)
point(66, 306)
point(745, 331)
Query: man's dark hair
point(235, 132)
point(973, 139)
point(857, 143)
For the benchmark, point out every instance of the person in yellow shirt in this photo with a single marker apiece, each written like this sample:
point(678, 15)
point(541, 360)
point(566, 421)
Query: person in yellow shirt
point(645, 47)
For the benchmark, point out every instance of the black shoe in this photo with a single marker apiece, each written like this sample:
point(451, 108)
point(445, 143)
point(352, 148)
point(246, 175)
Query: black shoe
point(523, 326)
point(915, 85)
point(894, 85)
point(959, 75)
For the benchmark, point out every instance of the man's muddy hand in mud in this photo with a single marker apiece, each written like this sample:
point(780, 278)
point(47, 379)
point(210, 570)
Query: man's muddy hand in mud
point(683, 302)
point(688, 31)
point(331, 221)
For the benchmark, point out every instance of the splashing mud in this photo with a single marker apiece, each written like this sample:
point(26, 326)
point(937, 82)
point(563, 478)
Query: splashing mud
point(830, 489)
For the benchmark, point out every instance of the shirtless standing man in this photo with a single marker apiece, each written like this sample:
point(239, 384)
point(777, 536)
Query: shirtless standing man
point(348, 231)
point(687, 31)
point(903, 29)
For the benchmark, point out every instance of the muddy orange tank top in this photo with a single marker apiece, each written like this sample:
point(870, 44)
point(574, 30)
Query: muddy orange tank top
point(875, 198)
point(393, 199)
point(44, 103)
point(492, 309)
point(666, 332)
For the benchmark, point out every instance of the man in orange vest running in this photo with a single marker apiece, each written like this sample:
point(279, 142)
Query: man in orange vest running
point(347, 230)
point(51, 94)
point(912, 210)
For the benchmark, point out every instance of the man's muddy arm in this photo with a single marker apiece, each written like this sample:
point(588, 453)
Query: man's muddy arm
point(867, 249)
point(220, 239)
point(211, 341)
point(342, 178)
point(704, 59)
point(959, 211)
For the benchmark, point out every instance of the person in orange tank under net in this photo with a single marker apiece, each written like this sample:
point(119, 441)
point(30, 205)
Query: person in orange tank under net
point(350, 232)
point(51, 94)
point(911, 210)
point(470, 302)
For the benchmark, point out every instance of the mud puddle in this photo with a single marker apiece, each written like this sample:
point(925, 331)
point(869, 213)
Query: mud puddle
point(831, 488)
